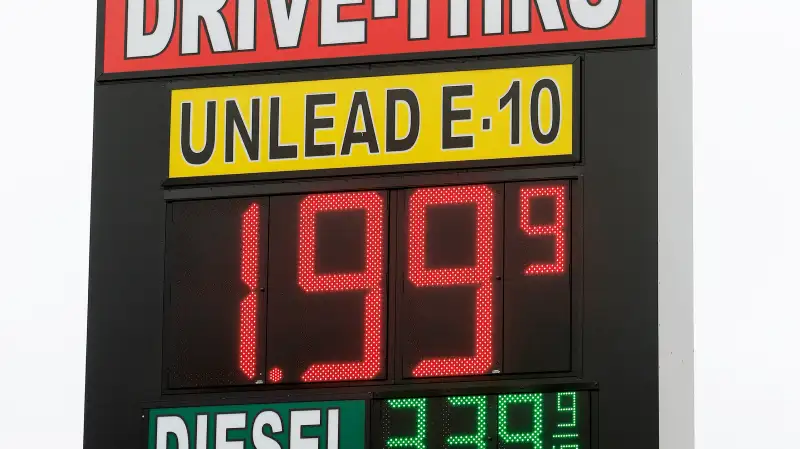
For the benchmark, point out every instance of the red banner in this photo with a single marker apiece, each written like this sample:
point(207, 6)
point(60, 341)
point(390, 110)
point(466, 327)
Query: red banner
point(152, 35)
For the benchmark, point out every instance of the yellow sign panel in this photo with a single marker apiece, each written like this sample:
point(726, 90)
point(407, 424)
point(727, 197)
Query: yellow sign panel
point(395, 120)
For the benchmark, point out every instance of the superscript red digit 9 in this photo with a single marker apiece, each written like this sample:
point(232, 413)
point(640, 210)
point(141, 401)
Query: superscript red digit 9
point(557, 229)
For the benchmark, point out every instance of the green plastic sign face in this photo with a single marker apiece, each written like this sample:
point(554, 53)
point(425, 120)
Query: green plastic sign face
point(300, 425)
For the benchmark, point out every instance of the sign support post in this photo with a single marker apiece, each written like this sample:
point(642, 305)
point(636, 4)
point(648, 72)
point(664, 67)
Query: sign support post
point(675, 249)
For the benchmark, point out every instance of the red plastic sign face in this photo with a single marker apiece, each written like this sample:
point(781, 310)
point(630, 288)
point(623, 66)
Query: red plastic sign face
point(154, 35)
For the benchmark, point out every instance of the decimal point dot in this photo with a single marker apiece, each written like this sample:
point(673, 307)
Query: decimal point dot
point(275, 375)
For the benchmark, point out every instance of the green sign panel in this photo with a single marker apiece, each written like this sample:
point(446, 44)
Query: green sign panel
point(299, 425)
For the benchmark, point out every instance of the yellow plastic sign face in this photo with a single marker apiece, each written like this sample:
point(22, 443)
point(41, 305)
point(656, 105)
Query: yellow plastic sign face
point(399, 120)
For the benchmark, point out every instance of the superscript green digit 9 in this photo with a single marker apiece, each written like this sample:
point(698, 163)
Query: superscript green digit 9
point(567, 403)
point(478, 439)
point(534, 437)
point(419, 440)
point(572, 408)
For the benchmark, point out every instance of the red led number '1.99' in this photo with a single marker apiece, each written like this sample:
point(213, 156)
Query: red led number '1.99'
point(315, 284)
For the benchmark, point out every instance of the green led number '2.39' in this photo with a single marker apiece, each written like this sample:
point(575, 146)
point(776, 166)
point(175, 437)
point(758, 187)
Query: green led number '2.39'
point(528, 420)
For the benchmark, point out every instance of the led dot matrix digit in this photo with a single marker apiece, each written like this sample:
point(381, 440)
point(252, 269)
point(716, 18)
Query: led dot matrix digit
point(481, 275)
point(248, 317)
point(567, 404)
point(420, 439)
point(534, 436)
point(479, 438)
point(370, 280)
point(556, 229)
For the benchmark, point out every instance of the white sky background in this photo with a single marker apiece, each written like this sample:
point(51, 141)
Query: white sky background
point(747, 224)
point(46, 89)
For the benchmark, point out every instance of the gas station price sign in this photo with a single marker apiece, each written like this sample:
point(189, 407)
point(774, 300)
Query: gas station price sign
point(374, 224)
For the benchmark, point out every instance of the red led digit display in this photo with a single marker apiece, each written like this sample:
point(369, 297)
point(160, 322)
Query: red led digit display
point(555, 228)
point(479, 275)
point(370, 280)
point(537, 318)
point(326, 293)
point(247, 320)
point(294, 289)
point(213, 322)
